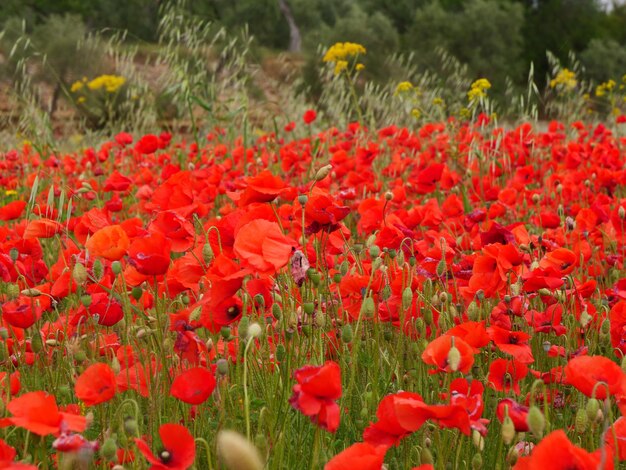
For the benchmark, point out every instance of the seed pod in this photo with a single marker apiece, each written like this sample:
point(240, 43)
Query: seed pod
point(308, 307)
point(303, 199)
point(130, 426)
point(222, 366)
point(374, 251)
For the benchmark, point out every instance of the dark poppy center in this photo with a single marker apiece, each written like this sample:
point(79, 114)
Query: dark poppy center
point(232, 311)
point(165, 456)
point(513, 340)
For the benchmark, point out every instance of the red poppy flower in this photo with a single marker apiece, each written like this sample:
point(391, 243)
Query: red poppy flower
point(110, 242)
point(322, 213)
point(315, 393)
point(436, 354)
point(148, 144)
point(96, 384)
point(38, 413)
point(556, 452)
point(361, 456)
point(150, 255)
point(261, 245)
point(12, 210)
point(309, 116)
point(42, 228)
point(617, 435)
point(595, 373)
point(178, 230)
point(388, 431)
point(518, 413)
point(108, 310)
point(514, 343)
point(505, 375)
point(179, 449)
point(7, 455)
point(264, 187)
point(193, 386)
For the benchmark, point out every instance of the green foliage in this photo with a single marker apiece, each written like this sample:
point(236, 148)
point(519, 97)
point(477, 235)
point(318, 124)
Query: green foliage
point(604, 59)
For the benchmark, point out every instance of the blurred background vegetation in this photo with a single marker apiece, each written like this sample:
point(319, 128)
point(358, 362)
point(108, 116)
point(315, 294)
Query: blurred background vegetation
point(424, 41)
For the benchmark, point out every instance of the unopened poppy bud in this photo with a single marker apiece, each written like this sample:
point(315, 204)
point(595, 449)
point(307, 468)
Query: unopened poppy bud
point(477, 462)
point(109, 449)
point(385, 293)
point(98, 269)
point(323, 172)
point(14, 254)
point(136, 293)
point(593, 406)
point(320, 320)
point(621, 212)
point(222, 366)
point(303, 199)
point(536, 421)
point(605, 328)
point(116, 267)
point(368, 307)
point(4, 333)
point(581, 420)
point(36, 343)
point(86, 300)
point(254, 331)
point(374, 251)
point(64, 392)
point(80, 356)
point(426, 457)
point(185, 299)
point(130, 426)
point(536, 198)
point(308, 307)
point(242, 329)
point(115, 365)
point(388, 196)
point(79, 273)
point(13, 291)
point(454, 358)
point(407, 298)
point(478, 440)
point(441, 268)
point(195, 314)
point(280, 353)
point(31, 292)
point(508, 430)
point(480, 294)
point(207, 253)
point(623, 363)
point(237, 453)
point(277, 312)
point(117, 467)
point(314, 276)
point(347, 334)
point(512, 456)
point(259, 300)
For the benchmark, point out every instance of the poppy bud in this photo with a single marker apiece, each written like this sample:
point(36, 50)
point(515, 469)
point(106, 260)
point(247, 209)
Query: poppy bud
point(454, 358)
point(254, 331)
point(346, 334)
point(130, 426)
point(512, 456)
point(80, 356)
point(412, 261)
point(116, 267)
point(277, 311)
point(86, 300)
point(137, 292)
point(581, 420)
point(508, 429)
point(536, 198)
point(13, 291)
point(478, 440)
point(302, 199)
point(237, 453)
point(31, 292)
point(207, 253)
point(377, 263)
point(605, 328)
point(242, 330)
point(374, 251)
point(320, 320)
point(426, 457)
point(222, 366)
point(115, 365)
point(259, 300)
point(368, 307)
point(79, 273)
point(280, 352)
point(477, 462)
point(593, 406)
point(385, 294)
point(323, 172)
point(388, 335)
point(441, 267)
point(480, 294)
point(536, 421)
point(407, 298)
point(98, 270)
point(4, 333)
point(308, 307)
point(314, 276)
point(195, 314)
point(14, 254)
point(623, 363)
point(36, 342)
point(109, 449)
point(621, 212)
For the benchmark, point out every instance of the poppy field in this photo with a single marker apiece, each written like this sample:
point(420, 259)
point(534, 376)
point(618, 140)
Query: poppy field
point(448, 295)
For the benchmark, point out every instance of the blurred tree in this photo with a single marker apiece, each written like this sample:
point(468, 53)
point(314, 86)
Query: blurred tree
point(604, 59)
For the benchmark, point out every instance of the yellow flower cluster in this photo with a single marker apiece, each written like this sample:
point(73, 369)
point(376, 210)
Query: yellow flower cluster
point(478, 89)
point(403, 87)
point(565, 78)
point(605, 88)
point(340, 52)
point(110, 83)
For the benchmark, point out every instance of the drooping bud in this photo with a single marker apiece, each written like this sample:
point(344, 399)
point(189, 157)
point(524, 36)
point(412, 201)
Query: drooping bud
point(621, 212)
point(79, 273)
point(592, 408)
point(207, 253)
point(109, 449)
point(130, 426)
point(536, 421)
point(323, 172)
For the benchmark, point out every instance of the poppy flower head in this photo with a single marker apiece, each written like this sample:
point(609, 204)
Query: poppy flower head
point(178, 452)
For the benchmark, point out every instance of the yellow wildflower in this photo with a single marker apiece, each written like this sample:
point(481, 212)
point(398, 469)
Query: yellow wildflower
point(403, 87)
point(77, 85)
point(605, 87)
point(340, 65)
point(343, 50)
point(111, 83)
point(359, 67)
point(565, 78)
point(438, 101)
point(10, 192)
point(478, 89)
point(81, 100)
point(416, 113)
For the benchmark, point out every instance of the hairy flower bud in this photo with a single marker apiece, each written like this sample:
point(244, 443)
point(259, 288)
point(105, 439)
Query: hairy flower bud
point(237, 453)
point(536, 421)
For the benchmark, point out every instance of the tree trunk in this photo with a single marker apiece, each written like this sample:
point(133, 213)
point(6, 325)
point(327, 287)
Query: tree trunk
point(295, 40)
